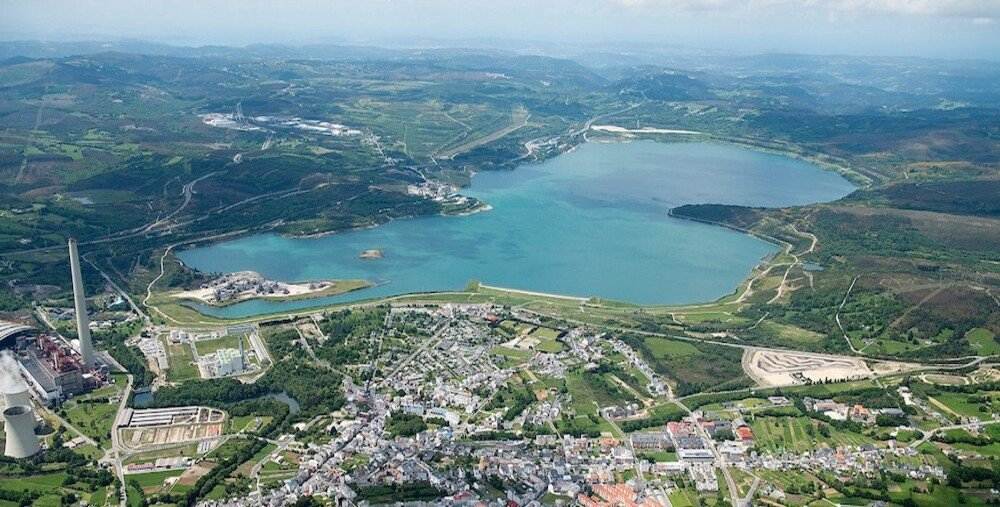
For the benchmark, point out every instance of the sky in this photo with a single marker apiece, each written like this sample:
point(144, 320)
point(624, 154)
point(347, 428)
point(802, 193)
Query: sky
point(925, 28)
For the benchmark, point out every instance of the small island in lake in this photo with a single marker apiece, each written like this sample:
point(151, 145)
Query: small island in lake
point(371, 254)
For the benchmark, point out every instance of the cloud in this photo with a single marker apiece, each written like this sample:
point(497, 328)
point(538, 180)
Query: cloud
point(970, 9)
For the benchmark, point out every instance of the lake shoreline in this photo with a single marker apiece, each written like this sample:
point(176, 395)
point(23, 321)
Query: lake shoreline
point(483, 205)
point(333, 290)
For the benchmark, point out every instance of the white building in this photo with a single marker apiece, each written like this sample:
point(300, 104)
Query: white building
point(228, 362)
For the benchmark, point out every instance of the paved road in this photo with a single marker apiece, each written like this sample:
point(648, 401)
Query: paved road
point(118, 289)
point(74, 429)
point(431, 342)
point(719, 459)
point(116, 447)
point(748, 499)
point(929, 434)
point(972, 360)
point(837, 316)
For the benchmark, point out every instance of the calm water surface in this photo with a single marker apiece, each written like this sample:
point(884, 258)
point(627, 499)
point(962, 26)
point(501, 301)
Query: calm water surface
point(592, 222)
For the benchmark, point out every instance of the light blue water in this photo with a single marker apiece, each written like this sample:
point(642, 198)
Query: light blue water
point(592, 222)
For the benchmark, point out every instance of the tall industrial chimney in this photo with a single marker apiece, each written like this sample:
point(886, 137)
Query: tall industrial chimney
point(80, 301)
point(19, 426)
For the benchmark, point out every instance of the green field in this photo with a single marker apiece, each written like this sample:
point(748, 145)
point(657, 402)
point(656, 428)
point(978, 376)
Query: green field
point(662, 347)
point(787, 479)
point(982, 341)
point(182, 365)
point(48, 485)
point(791, 334)
point(942, 496)
point(590, 391)
point(545, 333)
point(550, 346)
point(153, 481)
point(583, 425)
point(42, 482)
point(782, 433)
point(245, 422)
point(991, 451)
point(961, 404)
point(584, 401)
point(512, 357)
point(226, 342)
point(683, 498)
point(798, 434)
point(93, 419)
point(659, 456)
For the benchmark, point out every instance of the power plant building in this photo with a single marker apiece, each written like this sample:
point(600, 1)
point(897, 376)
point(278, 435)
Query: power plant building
point(228, 362)
point(53, 370)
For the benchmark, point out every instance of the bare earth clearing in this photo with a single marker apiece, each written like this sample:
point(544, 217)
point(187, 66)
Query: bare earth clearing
point(776, 368)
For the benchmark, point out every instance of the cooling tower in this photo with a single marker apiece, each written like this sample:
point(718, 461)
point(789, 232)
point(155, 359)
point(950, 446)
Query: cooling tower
point(80, 301)
point(19, 424)
point(13, 390)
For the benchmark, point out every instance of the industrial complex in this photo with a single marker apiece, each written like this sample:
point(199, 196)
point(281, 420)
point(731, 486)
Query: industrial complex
point(45, 368)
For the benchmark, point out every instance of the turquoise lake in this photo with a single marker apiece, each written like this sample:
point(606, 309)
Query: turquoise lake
point(591, 222)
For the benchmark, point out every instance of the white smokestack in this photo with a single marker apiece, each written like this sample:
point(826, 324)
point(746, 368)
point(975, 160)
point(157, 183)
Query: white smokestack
point(80, 301)
point(19, 425)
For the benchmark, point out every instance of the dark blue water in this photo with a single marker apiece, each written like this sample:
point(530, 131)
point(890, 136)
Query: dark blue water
point(592, 222)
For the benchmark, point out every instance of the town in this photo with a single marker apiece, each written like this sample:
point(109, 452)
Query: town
point(609, 253)
point(473, 404)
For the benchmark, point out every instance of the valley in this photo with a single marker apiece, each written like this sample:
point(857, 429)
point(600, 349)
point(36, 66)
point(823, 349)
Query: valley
point(334, 274)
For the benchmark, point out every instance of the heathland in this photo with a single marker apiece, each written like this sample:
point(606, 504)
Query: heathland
point(142, 154)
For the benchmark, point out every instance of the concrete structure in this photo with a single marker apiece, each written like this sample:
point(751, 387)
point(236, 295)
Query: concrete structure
point(53, 370)
point(11, 330)
point(19, 426)
point(696, 455)
point(80, 303)
point(243, 357)
point(13, 389)
point(137, 418)
point(229, 362)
